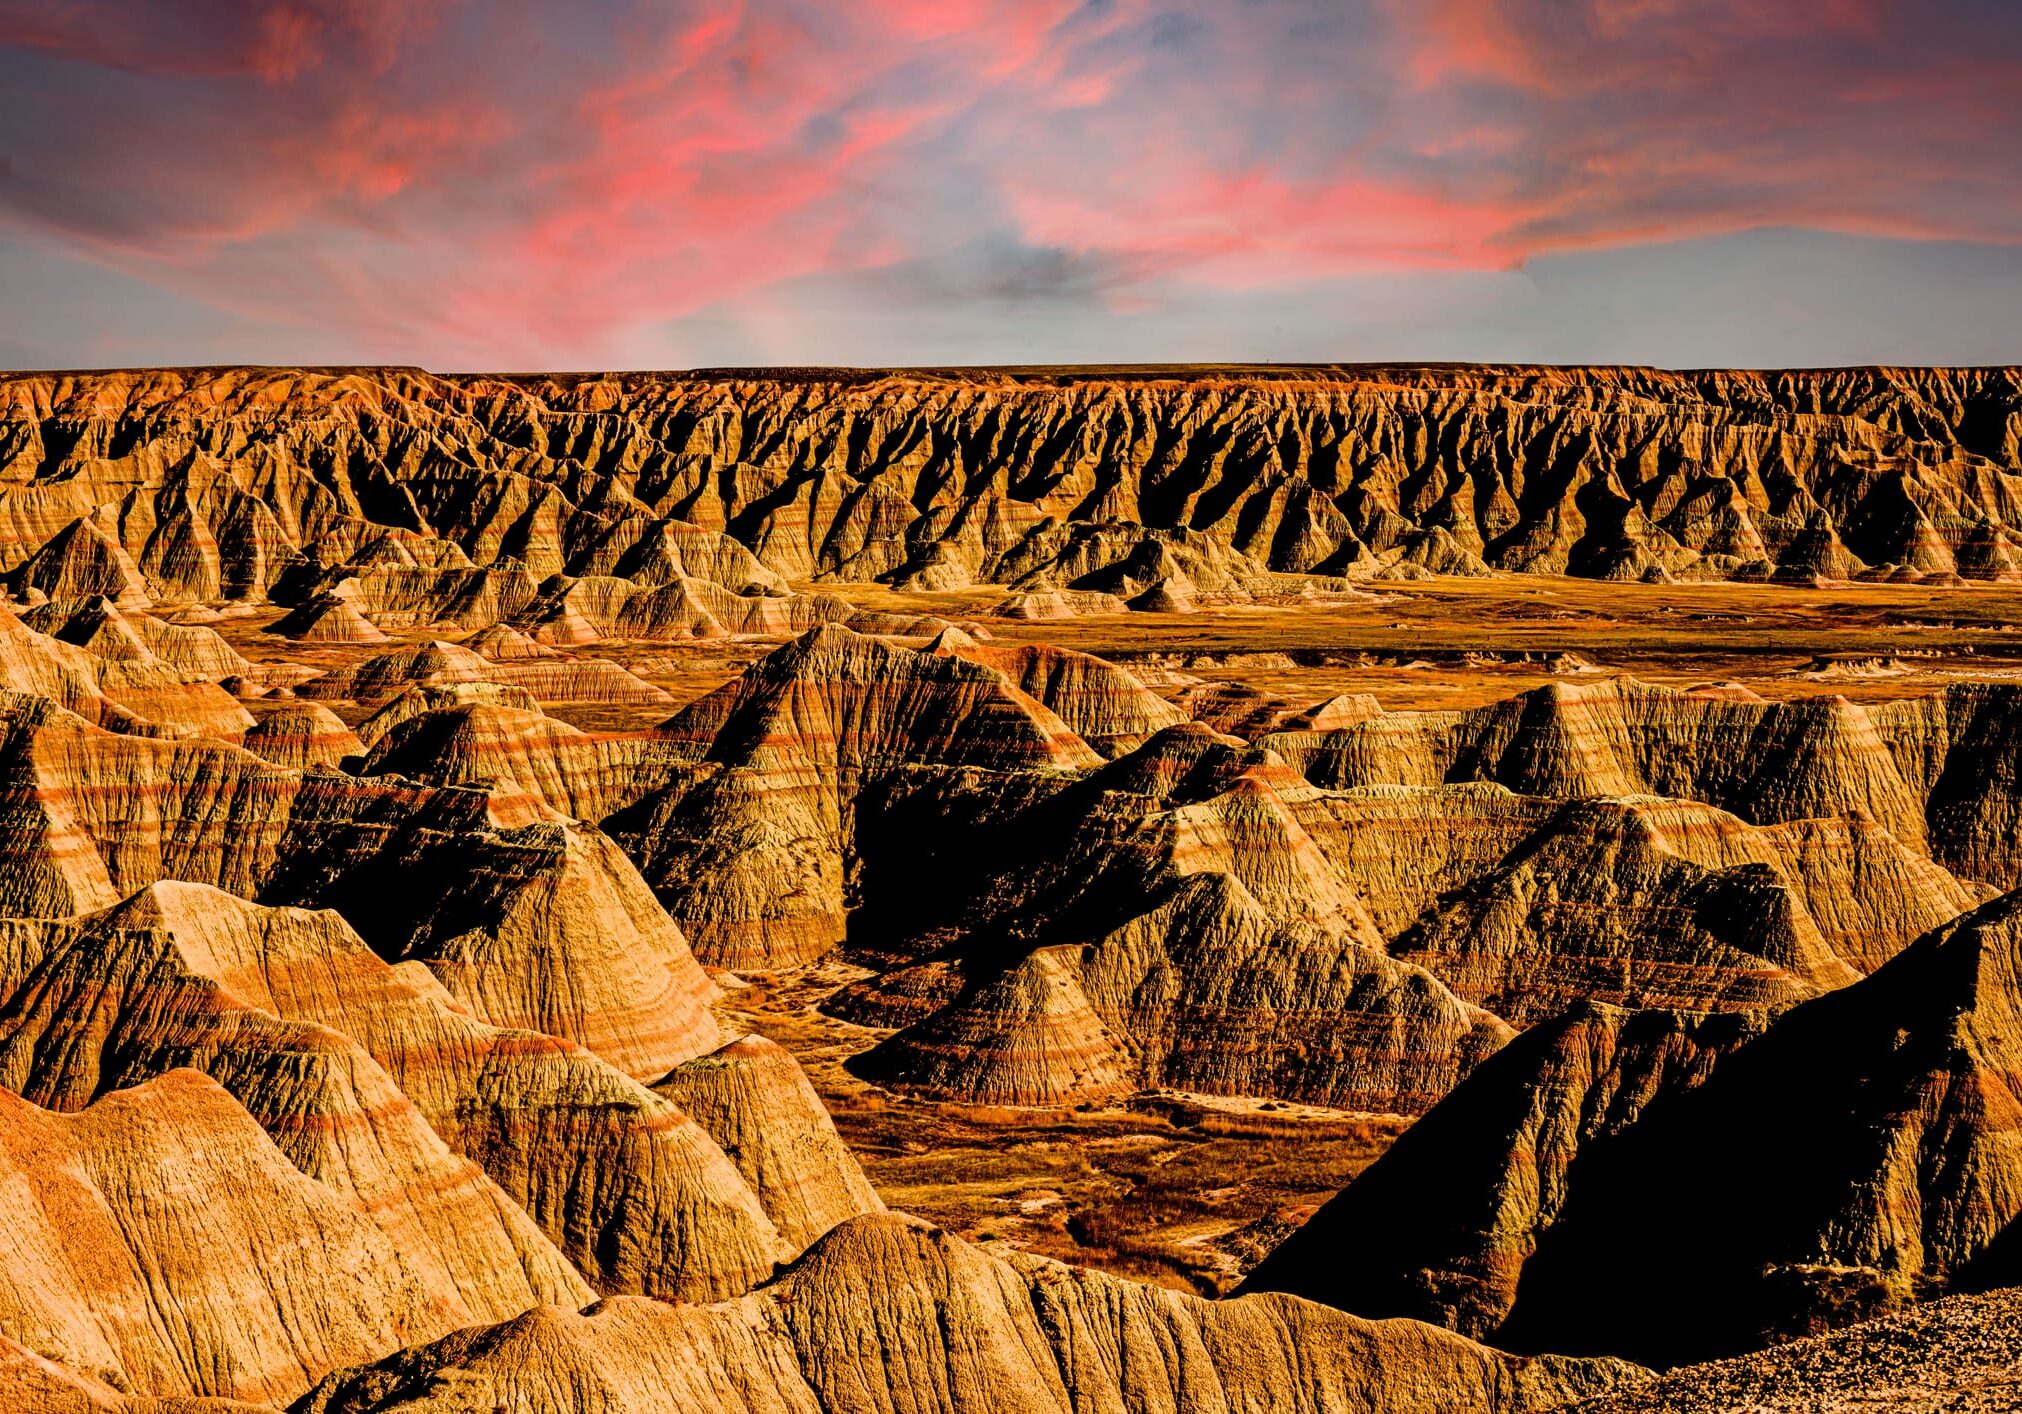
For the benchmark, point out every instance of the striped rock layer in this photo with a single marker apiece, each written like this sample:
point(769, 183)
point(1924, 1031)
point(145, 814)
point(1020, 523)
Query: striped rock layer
point(1674, 1187)
point(434, 498)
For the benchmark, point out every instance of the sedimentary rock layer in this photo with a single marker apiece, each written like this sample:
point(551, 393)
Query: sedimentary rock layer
point(1927, 769)
point(885, 1314)
point(450, 499)
point(1194, 914)
point(1670, 1187)
point(529, 921)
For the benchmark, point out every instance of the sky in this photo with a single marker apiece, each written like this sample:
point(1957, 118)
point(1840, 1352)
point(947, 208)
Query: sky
point(529, 184)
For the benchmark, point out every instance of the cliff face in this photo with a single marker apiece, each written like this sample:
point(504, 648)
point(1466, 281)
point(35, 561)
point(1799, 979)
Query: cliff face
point(1195, 914)
point(1930, 770)
point(354, 1056)
point(162, 1247)
point(454, 498)
point(883, 1314)
point(1672, 1186)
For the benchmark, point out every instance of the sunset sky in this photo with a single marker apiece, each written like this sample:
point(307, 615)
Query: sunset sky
point(468, 184)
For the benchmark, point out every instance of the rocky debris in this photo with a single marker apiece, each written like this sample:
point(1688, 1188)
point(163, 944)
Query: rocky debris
point(883, 1308)
point(1953, 1356)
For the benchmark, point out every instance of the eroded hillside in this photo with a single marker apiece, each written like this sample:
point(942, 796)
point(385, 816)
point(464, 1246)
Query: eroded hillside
point(824, 892)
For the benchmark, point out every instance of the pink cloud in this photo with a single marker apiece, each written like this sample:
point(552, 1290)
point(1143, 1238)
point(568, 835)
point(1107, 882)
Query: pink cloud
point(513, 182)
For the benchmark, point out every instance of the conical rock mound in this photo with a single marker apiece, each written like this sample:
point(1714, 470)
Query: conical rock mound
point(159, 1239)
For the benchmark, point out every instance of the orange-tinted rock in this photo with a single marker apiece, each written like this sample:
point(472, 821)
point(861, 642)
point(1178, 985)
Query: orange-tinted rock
point(303, 734)
point(329, 619)
point(883, 1310)
point(753, 1099)
point(159, 1238)
point(530, 922)
point(636, 1196)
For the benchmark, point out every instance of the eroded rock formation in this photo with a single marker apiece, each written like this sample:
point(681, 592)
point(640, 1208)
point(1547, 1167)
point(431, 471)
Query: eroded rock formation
point(451, 499)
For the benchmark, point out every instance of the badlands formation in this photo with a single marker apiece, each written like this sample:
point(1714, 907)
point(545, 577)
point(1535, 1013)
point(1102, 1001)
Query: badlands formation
point(1325, 889)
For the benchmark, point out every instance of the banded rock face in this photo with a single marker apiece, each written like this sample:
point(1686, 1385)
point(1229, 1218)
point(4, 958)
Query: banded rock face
point(753, 1099)
point(634, 1194)
point(741, 812)
point(329, 618)
point(1889, 1115)
point(113, 1000)
point(1100, 702)
point(1194, 914)
point(438, 664)
point(557, 767)
point(534, 925)
point(33, 1385)
point(885, 1314)
point(98, 626)
point(160, 1240)
point(301, 735)
point(1441, 1226)
point(599, 607)
point(880, 1313)
point(142, 694)
point(1166, 487)
point(747, 849)
point(1674, 1187)
point(1926, 769)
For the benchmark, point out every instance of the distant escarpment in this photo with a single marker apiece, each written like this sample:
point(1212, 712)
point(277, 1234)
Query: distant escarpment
point(648, 505)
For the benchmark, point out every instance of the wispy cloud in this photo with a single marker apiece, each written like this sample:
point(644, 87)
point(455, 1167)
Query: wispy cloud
point(537, 182)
